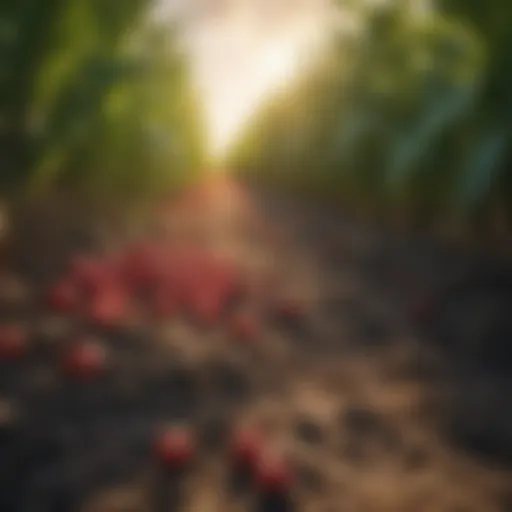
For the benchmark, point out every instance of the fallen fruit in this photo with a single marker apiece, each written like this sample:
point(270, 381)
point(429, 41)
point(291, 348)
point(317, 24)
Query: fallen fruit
point(109, 307)
point(84, 359)
point(13, 342)
point(63, 297)
point(90, 275)
point(273, 475)
point(143, 266)
point(174, 447)
point(246, 448)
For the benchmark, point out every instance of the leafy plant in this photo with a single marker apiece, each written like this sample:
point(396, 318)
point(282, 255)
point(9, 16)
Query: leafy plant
point(413, 113)
point(94, 95)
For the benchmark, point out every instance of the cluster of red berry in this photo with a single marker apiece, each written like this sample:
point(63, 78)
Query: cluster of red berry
point(162, 281)
point(269, 477)
point(167, 280)
point(82, 358)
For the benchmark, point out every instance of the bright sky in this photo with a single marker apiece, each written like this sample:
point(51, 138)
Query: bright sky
point(241, 50)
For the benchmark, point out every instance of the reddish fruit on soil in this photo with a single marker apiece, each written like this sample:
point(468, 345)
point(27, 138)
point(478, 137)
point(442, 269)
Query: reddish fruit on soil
point(273, 475)
point(63, 297)
point(84, 359)
point(220, 272)
point(144, 266)
point(109, 307)
point(13, 342)
point(246, 448)
point(180, 278)
point(90, 275)
point(245, 328)
point(174, 447)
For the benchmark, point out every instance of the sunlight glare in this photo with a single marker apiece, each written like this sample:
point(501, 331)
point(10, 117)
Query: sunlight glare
point(241, 54)
point(227, 111)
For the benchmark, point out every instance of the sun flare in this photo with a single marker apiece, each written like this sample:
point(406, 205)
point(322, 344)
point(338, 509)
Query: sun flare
point(227, 109)
point(242, 52)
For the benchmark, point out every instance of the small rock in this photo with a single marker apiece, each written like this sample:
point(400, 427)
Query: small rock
point(176, 390)
point(353, 452)
point(416, 457)
point(213, 431)
point(8, 416)
point(184, 381)
point(52, 330)
point(370, 329)
point(371, 430)
point(360, 421)
point(506, 501)
point(310, 477)
point(117, 500)
point(13, 291)
point(229, 381)
point(308, 431)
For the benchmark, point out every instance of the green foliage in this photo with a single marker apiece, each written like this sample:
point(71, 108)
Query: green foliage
point(413, 113)
point(93, 94)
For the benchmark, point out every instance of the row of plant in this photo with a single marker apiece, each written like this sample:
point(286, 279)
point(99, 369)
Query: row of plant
point(94, 96)
point(409, 117)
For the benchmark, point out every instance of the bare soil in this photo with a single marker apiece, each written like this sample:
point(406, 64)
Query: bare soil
point(382, 401)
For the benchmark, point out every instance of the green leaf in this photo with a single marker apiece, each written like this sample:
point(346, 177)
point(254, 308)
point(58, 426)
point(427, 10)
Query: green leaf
point(415, 145)
point(483, 166)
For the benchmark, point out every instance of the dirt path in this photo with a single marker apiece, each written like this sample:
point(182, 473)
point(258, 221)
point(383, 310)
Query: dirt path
point(339, 382)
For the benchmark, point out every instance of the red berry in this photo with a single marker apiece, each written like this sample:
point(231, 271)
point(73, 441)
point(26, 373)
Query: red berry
point(91, 275)
point(13, 342)
point(220, 272)
point(63, 297)
point(180, 278)
point(144, 265)
point(109, 307)
point(85, 359)
point(246, 448)
point(273, 474)
point(174, 447)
